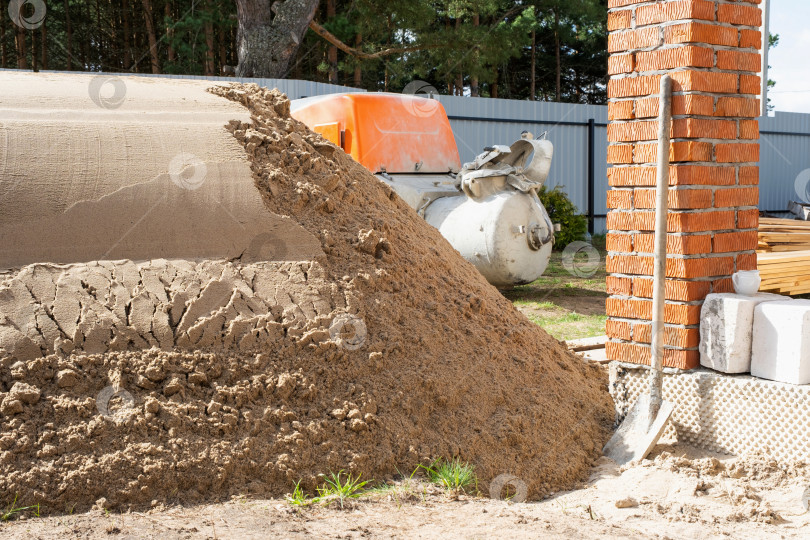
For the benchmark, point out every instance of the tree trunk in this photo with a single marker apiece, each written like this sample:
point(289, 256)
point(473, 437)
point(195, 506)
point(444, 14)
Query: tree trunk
point(268, 39)
point(68, 37)
point(102, 53)
point(450, 83)
point(459, 84)
point(533, 85)
point(127, 35)
point(223, 55)
point(44, 43)
point(476, 56)
point(358, 71)
point(34, 64)
point(209, 39)
point(171, 53)
point(19, 42)
point(150, 31)
point(115, 43)
point(3, 50)
point(332, 53)
point(85, 49)
point(493, 93)
point(557, 50)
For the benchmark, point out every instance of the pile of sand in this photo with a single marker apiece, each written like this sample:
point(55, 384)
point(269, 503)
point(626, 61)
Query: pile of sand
point(123, 383)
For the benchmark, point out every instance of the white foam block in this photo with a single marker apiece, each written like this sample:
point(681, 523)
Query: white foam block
point(726, 324)
point(781, 345)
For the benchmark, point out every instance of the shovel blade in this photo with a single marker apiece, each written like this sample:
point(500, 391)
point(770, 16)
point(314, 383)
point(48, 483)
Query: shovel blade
point(639, 432)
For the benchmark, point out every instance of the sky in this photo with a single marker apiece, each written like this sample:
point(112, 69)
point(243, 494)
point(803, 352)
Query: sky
point(790, 60)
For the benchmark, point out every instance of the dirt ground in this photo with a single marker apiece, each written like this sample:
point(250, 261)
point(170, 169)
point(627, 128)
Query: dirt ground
point(680, 492)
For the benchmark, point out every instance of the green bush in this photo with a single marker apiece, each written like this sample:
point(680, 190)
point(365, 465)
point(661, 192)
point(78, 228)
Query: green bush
point(573, 225)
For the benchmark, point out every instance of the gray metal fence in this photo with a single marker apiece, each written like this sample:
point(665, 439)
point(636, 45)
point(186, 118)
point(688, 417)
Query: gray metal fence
point(579, 134)
point(784, 160)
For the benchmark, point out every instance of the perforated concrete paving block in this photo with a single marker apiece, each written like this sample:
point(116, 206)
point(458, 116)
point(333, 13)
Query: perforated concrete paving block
point(739, 414)
point(781, 341)
point(726, 325)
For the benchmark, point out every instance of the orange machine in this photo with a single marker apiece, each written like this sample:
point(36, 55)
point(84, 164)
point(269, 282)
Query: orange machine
point(488, 210)
point(393, 133)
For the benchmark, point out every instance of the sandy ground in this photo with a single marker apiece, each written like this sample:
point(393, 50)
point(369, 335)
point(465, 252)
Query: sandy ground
point(680, 492)
point(188, 382)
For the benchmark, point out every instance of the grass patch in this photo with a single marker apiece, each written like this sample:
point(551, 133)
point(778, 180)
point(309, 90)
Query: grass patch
point(568, 306)
point(452, 475)
point(298, 497)
point(570, 326)
point(12, 510)
point(405, 490)
point(537, 305)
point(335, 488)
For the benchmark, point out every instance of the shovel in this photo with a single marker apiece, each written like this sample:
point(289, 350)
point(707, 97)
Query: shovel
point(644, 423)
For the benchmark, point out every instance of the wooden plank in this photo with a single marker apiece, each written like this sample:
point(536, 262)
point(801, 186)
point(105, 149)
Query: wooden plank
point(776, 258)
point(786, 248)
point(788, 282)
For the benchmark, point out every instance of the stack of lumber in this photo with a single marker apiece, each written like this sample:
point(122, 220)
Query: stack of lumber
point(777, 235)
point(785, 273)
point(783, 257)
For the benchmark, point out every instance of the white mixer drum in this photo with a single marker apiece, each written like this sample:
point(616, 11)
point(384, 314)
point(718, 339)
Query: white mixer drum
point(506, 235)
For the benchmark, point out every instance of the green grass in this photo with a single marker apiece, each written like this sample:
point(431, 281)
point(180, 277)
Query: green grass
point(536, 305)
point(336, 488)
point(406, 489)
point(564, 304)
point(298, 497)
point(569, 326)
point(452, 475)
point(13, 510)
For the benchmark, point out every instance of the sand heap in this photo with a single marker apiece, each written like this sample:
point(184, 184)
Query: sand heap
point(180, 381)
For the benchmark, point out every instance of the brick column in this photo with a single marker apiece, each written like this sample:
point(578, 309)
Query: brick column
point(710, 48)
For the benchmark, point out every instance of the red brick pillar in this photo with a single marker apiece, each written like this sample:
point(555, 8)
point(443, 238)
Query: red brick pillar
point(710, 48)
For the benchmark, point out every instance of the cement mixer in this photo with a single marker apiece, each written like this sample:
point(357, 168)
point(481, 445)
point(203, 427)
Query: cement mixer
point(487, 209)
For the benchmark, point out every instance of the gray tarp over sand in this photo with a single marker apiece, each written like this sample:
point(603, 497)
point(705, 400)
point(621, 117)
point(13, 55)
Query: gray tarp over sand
point(99, 167)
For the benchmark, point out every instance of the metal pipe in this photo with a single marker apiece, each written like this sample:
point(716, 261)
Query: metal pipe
point(660, 261)
point(766, 41)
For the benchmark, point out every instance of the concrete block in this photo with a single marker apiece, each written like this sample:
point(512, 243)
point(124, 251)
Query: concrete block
point(726, 324)
point(781, 346)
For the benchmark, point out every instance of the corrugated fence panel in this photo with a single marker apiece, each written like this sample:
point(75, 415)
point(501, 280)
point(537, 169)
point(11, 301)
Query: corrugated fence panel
point(784, 155)
point(784, 160)
point(483, 122)
point(480, 122)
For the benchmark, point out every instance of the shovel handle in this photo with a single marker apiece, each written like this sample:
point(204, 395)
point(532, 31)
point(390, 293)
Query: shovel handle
point(660, 261)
